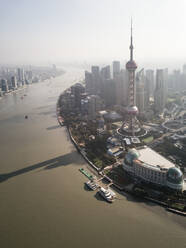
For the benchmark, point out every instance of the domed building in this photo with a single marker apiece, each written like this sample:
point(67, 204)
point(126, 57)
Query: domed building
point(151, 167)
point(133, 154)
point(175, 178)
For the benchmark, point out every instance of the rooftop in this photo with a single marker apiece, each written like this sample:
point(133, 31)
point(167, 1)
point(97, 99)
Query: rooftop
point(149, 156)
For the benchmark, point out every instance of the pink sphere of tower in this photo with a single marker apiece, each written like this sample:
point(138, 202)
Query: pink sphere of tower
point(132, 110)
point(131, 65)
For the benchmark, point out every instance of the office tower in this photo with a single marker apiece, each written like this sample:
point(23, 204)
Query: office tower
point(184, 78)
point(4, 85)
point(184, 69)
point(149, 82)
point(95, 79)
point(14, 82)
point(95, 104)
point(105, 72)
point(159, 94)
point(121, 88)
point(77, 90)
point(166, 76)
point(88, 82)
point(116, 68)
point(95, 70)
point(177, 78)
point(140, 92)
point(28, 77)
point(109, 92)
point(20, 76)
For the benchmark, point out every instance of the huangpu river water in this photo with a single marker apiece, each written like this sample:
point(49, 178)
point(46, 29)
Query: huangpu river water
point(43, 201)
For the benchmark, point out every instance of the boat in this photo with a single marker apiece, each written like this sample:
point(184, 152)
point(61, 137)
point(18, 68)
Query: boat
point(92, 185)
point(107, 195)
point(26, 116)
point(90, 177)
point(60, 120)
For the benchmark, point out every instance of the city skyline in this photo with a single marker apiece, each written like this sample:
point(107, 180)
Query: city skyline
point(59, 31)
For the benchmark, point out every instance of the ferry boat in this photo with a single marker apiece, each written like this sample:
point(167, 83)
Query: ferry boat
point(92, 185)
point(60, 120)
point(107, 194)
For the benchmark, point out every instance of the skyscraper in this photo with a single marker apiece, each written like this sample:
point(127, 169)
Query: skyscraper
point(149, 85)
point(184, 69)
point(116, 68)
point(121, 86)
point(159, 94)
point(140, 103)
point(14, 82)
point(20, 76)
point(4, 85)
point(88, 82)
point(105, 72)
point(95, 79)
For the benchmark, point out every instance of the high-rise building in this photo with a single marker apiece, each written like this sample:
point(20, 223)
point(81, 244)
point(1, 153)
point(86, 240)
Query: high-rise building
point(105, 72)
point(95, 79)
point(140, 102)
point(121, 88)
point(109, 92)
point(95, 70)
point(14, 82)
point(116, 68)
point(174, 81)
point(166, 77)
point(4, 85)
point(95, 104)
point(89, 87)
point(149, 85)
point(77, 90)
point(28, 77)
point(184, 69)
point(160, 91)
point(20, 76)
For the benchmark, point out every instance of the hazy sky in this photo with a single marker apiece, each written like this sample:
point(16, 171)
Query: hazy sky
point(85, 30)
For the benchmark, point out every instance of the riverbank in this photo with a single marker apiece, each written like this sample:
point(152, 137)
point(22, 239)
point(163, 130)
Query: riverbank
point(128, 188)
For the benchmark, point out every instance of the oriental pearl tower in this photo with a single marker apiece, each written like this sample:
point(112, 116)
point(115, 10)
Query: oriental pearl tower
point(131, 125)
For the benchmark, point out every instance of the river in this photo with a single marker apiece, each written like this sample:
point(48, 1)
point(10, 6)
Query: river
point(43, 199)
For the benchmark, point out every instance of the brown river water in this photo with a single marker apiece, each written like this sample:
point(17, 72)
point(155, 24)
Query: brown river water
point(43, 201)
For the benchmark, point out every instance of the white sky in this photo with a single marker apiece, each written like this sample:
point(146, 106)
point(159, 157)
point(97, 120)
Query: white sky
point(92, 30)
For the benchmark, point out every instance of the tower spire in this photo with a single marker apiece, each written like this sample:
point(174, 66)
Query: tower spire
point(131, 44)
